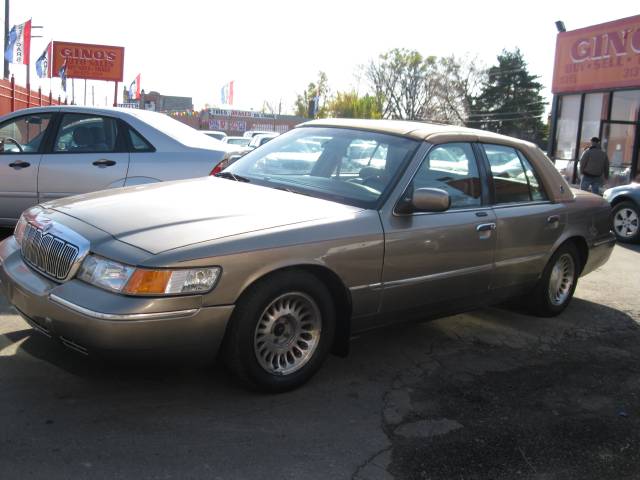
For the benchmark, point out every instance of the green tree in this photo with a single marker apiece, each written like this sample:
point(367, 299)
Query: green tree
point(510, 102)
point(350, 105)
point(319, 89)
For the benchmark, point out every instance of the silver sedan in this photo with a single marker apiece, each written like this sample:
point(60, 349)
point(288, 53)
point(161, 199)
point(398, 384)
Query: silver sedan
point(52, 152)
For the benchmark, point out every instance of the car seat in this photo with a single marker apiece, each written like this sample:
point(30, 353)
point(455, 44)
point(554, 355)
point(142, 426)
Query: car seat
point(81, 139)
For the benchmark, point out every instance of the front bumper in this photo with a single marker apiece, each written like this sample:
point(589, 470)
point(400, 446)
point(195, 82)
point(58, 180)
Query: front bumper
point(94, 321)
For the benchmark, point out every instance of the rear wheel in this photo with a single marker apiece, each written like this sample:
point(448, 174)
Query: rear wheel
point(281, 331)
point(626, 216)
point(557, 284)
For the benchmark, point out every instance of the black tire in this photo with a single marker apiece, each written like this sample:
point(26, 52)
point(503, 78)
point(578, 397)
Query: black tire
point(548, 301)
point(626, 216)
point(240, 348)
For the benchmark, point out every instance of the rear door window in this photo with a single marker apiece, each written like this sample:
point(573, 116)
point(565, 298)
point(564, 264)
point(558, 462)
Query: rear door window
point(512, 181)
point(80, 133)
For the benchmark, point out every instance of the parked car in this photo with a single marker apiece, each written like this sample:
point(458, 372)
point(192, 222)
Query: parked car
point(53, 152)
point(240, 141)
point(625, 201)
point(218, 135)
point(253, 133)
point(274, 268)
point(261, 139)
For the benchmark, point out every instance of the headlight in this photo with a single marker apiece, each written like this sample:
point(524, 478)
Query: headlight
point(129, 280)
point(18, 233)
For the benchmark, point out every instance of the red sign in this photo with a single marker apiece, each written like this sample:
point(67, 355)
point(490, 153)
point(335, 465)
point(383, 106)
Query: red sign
point(93, 62)
point(601, 57)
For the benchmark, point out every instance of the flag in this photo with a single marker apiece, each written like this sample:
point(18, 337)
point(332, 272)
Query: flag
point(226, 93)
point(134, 88)
point(19, 44)
point(62, 73)
point(42, 64)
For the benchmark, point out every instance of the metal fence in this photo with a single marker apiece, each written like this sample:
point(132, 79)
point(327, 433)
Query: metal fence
point(15, 97)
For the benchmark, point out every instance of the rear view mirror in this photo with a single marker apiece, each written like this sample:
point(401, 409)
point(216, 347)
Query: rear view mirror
point(34, 121)
point(430, 200)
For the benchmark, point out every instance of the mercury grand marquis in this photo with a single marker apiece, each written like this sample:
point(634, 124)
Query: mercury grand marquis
point(281, 258)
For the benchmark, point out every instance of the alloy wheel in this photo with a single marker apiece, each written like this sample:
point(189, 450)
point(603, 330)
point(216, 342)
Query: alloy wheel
point(561, 279)
point(625, 223)
point(288, 333)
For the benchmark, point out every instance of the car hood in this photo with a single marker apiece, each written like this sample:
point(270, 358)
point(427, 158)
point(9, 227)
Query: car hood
point(164, 216)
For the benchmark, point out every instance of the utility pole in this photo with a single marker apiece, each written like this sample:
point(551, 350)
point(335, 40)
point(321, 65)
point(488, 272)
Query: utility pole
point(6, 38)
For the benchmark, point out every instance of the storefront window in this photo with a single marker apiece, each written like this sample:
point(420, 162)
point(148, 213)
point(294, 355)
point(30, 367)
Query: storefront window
point(625, 106)
point(617, 141)
point(567, 127)
point(595, 110)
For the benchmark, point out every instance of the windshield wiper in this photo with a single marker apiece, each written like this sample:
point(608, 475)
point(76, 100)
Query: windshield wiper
point(232, 176)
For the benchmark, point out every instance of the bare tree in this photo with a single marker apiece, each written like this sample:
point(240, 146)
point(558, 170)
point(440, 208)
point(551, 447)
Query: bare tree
point(410, 86)
point(460, 80)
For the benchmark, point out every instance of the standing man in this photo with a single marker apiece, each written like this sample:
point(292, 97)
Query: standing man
point(594, 167)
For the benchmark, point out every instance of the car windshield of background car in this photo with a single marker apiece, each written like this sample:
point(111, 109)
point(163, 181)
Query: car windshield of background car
point(349, 166)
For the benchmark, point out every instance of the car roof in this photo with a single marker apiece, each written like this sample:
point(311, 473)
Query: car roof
point(117, 111)
point(432, 132)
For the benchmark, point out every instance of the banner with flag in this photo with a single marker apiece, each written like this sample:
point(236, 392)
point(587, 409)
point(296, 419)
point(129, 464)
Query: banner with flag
point(43, 64)
point(134, 88)
point(62, 73)
point(19, 44)
point(226, 93)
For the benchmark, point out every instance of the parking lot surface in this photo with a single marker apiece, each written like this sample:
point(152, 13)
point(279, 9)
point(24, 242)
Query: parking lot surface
point(493, 394)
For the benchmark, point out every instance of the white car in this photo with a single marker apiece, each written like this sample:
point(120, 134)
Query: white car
point(53, 152)
point(217, 134)
point(240, 141)
point(261, 139)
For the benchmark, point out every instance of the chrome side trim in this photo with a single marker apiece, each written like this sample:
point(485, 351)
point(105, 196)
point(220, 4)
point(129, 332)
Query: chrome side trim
point(610, 239)
point(518, 260)
point(126, 316)
point(373, 286)
point(438, 276)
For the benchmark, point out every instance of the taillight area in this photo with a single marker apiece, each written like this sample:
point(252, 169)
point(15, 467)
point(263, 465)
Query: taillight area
point(225, 162)
point(219, 167)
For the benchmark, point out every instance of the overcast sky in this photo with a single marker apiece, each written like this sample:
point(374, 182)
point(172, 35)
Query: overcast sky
point(272, 50)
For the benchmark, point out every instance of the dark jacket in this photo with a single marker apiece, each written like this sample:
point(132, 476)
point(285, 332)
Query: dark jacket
point(594, 163)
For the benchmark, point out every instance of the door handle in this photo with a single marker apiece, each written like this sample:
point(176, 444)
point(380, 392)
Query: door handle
point(19, 164)
point(485, 227)
point(553, 219)
point(104, 163)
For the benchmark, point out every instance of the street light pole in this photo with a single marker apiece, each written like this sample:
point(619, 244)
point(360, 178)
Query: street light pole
point(6, 38)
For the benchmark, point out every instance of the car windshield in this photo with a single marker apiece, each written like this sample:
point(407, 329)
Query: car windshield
point(348, 166)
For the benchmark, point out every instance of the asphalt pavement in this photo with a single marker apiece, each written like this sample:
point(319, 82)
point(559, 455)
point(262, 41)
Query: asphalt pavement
point(494, 394)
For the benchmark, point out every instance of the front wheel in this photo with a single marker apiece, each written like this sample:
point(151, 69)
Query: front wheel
point(626, 216)
point(557, 284)
point(281, 331)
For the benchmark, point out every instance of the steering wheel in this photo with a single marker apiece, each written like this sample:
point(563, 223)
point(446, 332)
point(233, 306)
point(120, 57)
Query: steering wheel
point(14, 141)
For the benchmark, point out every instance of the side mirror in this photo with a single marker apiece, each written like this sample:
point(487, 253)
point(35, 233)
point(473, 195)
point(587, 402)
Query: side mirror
point(430, 200)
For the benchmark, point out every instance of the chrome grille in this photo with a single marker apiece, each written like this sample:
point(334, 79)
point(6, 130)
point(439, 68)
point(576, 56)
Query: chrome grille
point(48, 253)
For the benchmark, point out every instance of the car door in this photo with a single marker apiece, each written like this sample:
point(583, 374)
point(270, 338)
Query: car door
point(88, 154)
point(528, 224)
point(435, 260)
point(22, 139)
